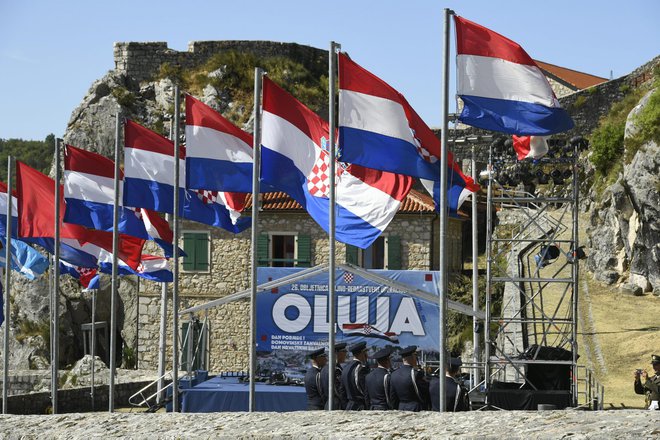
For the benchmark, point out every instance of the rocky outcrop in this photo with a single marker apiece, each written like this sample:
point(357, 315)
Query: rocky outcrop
point(624, 234)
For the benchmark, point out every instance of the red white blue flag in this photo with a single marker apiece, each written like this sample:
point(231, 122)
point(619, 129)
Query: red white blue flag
point(295, 159)
point(149, 183)
point(218, 154)
point(379, 129)
point(501, 87)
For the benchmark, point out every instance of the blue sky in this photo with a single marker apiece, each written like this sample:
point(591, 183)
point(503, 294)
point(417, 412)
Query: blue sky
point(51, 52)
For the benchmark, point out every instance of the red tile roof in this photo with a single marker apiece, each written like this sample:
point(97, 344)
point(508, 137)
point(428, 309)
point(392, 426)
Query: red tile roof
point(414, 203)
point(579, 80)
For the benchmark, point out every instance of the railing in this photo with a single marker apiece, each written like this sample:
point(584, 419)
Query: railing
point(590, 393)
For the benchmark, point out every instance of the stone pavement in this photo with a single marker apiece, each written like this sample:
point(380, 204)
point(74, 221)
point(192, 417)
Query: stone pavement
point(633, 424)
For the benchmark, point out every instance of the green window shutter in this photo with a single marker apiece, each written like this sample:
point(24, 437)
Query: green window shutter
point(351, 254)
point(189, 249)
point(202, 252)
point(304, 251)
point(262, 250)
point(394, 253)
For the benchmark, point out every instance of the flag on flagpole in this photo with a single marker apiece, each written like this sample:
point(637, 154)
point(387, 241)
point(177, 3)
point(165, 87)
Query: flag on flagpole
point(501, 87)
point(36, 210)
point(24, 259)
point(534, 147)
point(3, 211)
point(295, 160)
point(88, 276)
point(379, 129)
point(89, 196)
point(151, 268)
point(218, 154)
point(149, 183)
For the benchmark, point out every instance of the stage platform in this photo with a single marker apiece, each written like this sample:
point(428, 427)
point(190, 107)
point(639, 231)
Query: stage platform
point(229, 394)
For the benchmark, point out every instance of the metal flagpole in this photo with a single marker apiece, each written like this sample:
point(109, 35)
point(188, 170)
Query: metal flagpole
point(175, 264)
point(5, 350)
point(476, 372)
point(442, 288)
point(256, 168)
point(115, 278)
point(332, 318)
point(55, 331)
point(93, 349)
point(489, 262)
point(162, 343)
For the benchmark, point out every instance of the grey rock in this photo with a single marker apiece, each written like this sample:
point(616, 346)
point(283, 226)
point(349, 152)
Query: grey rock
point(631, 289)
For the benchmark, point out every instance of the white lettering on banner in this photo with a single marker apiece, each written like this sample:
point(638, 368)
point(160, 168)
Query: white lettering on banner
point(406, 318)
point(296, 324)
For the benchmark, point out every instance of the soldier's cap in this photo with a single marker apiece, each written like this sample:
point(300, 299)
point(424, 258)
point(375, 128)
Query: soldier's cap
point(341, 346)
point(655, 359)
point(316, 353)
point(408, 351)
point(455, 362)
point(358, 347)
point(383, 353)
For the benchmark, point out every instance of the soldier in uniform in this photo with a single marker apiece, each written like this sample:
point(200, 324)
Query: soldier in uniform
point(410, 390)
point(649, 385)
point(456, 394)
point(352, 378)
point(378, 381)
point(313, 379)
point(339, 401)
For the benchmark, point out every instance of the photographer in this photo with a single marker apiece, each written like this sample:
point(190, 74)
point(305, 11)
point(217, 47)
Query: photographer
point(649, 385)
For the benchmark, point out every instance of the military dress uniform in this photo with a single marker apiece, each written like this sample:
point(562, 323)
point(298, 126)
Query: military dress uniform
point(650, 388)
point(410, 391)
point(455, 395)
point(339, 401)
point(315, 399)
point(378, 384)
point(352, 379)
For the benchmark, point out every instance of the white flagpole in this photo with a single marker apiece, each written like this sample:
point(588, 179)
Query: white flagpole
point(442, 297)
point(476, 372)
point(5, 352)
point(162, 343)
point(55, 330)
point(332, 318)
point(93, 350)
point(115, 278)
point(256, 171)
point(175, 264)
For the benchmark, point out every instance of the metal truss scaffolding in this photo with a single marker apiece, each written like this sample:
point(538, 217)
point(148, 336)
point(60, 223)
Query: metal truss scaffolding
point(535, 257)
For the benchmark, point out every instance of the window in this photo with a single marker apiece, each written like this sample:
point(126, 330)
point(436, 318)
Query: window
point(384, 253)
point(196, 245)
point(284, 249)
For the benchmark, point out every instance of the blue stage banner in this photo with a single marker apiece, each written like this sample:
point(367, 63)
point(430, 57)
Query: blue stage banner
point(292, 320)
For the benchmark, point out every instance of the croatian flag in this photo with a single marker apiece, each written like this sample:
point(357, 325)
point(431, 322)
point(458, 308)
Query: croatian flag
point(501, 87)
point(89, 277)
point(36, 218)
point(534, 147)
point(151, 268)
point(379, 129)
point(218, 154)
point(149, 183)
point(295, 160)
point(3, 212)
point(459, 187)
point(89, 196)
point(368, 331)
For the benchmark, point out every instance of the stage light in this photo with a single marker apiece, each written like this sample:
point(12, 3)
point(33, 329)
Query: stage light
point(557, 177)
point(547, 255)
point(581, 143)
point(579, 254)
point(542, 177)
point(567, 174)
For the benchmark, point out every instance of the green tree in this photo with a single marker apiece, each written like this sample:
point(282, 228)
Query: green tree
point(37, 154)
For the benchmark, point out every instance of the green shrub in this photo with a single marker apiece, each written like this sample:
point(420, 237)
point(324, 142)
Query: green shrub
point(129, 360)
point(33, 328)
point(579, 102)
point(124, 97)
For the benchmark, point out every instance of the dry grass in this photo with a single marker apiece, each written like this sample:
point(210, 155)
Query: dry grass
point(626, 330)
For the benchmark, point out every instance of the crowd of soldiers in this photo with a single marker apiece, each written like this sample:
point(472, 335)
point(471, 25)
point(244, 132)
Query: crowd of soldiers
point(358, 387)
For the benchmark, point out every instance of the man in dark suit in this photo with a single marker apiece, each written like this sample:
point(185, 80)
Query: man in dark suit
point(339, 401)
point(378, 381)
point(313, 379)
point(456, 396)
point(352, 378)
point(410, 390)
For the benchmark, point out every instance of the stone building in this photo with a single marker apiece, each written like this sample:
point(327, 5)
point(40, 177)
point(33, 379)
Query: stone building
point(218, 264)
